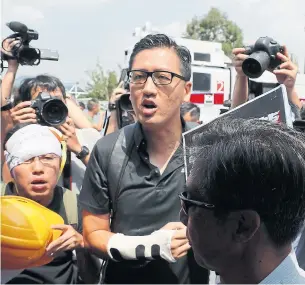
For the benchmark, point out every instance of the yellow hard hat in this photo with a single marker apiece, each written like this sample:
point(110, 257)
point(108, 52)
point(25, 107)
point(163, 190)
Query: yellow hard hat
point(26, 232)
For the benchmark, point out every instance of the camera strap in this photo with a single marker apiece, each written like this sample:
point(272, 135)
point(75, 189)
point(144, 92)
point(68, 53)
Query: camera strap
point(117, 163)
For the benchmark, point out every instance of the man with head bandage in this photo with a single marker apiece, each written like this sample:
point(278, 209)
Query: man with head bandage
point(35, 156)
point(30, 142)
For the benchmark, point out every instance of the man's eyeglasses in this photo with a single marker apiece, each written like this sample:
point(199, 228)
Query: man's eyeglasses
point(158, 77)
point(44, 159)
point(186, 203)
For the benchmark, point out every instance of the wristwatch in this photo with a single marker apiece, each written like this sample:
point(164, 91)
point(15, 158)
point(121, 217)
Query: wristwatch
point(83, 153)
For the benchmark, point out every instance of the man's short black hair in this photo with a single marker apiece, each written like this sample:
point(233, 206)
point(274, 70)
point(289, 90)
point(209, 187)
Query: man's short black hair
point(163, 41)
point(82, 104)
point(92, 103)
point(190, 107)
point(47, 82)
point(257, 165)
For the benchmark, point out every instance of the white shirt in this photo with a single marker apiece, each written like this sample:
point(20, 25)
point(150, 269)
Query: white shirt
point(288, 272)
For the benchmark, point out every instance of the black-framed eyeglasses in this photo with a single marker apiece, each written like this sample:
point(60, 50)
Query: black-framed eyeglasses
point(186, 203)
point(158, 77)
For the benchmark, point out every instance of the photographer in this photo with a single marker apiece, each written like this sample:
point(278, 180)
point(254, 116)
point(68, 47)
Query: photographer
point(79, 141)
point(77, 116)
point(113, 104)
point(286, 74)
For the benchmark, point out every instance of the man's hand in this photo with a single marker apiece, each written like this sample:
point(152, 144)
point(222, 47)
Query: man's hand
point(180, 244)
point(287, 72)
point(8, 45)
point(23, 113)
point(239, 58)
point(69, 135)
point(69, 240)
point(117, 93)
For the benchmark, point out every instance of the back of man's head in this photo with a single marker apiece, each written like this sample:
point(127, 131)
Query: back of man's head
point(92, 103)
point(254, 165)
point(44, 82)
point(192, 109)
point(163, 41)
point(82, 105)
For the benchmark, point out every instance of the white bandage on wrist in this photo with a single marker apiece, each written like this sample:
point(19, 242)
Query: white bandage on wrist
point(151, 247)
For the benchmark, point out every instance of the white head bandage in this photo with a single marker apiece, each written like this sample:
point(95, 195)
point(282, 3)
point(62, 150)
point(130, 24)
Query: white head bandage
point(31, 141)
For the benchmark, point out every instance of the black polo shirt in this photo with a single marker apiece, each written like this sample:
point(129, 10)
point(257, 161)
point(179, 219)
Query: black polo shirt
point(147, 200)
point(62, 270)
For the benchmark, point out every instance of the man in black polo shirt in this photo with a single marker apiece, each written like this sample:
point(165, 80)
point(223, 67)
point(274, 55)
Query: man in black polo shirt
point(137, 173)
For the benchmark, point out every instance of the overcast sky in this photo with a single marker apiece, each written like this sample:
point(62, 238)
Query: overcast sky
point(84, 31)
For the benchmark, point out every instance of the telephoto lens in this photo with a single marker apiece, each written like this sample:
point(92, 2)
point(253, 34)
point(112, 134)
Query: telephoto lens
point(256, 64)
point(54, 112)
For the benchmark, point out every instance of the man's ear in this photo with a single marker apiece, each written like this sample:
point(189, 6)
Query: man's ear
point(247, 224)
point(188, 91)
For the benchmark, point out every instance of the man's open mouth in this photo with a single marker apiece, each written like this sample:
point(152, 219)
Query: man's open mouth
point(149, 104)
point(38, 182)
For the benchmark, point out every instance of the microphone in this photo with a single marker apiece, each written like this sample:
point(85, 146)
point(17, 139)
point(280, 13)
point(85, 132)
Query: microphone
point(17, 27)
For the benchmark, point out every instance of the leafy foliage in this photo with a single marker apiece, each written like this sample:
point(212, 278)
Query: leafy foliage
point(101, 83)
point(215, 26)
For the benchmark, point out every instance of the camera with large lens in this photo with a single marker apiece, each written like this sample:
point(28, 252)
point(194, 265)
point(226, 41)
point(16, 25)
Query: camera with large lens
point(23, 52)
point(124, 109)
point(262, 56)
point(50, 111)
point(124, 103)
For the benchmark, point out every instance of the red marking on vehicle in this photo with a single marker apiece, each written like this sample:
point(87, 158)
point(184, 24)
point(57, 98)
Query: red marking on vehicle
point(220, 86)
point(200, 98)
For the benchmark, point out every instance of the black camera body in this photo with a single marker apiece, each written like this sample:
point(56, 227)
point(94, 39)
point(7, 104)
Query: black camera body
point(262, 56)
point(124, 103)
point(124, 111)
point(24, 53)
point(50, 111)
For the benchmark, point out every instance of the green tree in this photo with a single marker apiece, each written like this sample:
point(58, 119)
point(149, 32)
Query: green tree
point(101, 83)
point(215, 26)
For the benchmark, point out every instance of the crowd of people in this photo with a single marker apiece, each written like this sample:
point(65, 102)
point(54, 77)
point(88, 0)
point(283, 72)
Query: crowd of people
point(239, 214)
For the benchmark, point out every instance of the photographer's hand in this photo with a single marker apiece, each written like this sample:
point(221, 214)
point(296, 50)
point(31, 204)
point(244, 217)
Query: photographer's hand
point(117, 93)
point(240, 93)
point(9, 77)
point(23, 113)
point(287, 74)
point(69, 135)
point(238, 59)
